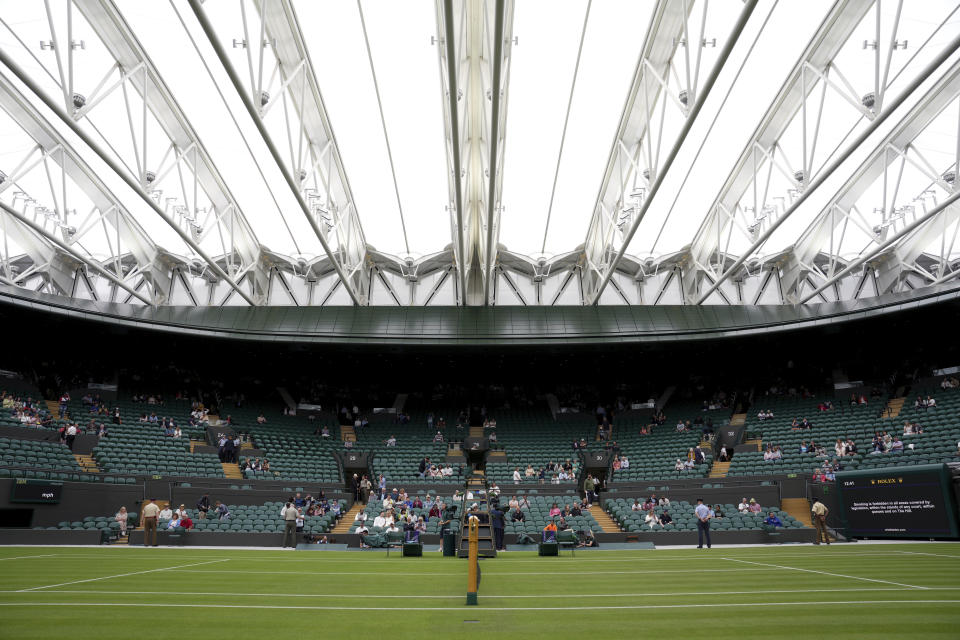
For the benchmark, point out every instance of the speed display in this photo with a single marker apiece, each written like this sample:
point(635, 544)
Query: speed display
point(907, 502)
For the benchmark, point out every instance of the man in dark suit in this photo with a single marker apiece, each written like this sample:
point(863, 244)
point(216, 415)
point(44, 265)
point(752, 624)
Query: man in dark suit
point(497, 519)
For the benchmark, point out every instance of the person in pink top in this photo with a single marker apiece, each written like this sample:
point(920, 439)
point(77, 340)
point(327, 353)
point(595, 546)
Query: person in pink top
point(754, 506)
point(554, 510)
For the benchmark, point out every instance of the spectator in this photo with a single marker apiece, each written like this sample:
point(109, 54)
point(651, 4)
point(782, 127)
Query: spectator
point(754, 506)
point(636, 506)
point(665, 519)
point(772, 520)
point(550, 532)
point(166, 513)
point(744, 506)
point(554, 510)
point(221, 510)
point(651, 519)
point(121, 517)
point(391, 441)
point(203, 506)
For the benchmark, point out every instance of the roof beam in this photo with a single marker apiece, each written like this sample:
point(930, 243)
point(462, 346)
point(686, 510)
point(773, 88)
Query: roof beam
point(335, 210)
point(153, 263)
point(623, 178)
point(889, 155)
point(892, 240)
point(117, 36)
point(475, 44)
point(832, 34)
point(66, 249)
point(121, 173)
point(838, 160)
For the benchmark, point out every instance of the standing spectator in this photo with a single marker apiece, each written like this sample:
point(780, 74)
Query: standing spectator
point(150, 513)
point(497, 519)
point(702, 512)
point(365, 487)
point(820, 512)
point(588, 488)
point(290, 516)
point(221, 510)
point(71, 436)
point(203, 506)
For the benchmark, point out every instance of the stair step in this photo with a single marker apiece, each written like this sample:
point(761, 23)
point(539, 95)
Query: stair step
point(347, 433)
point(607, 523)
point(347, 520)
point(231, 470)
point(719, 470)
point(799, 508)
point(738, 419)
point(87, 463)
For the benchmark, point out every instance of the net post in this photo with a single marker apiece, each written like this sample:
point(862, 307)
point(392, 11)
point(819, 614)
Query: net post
point(473, 568)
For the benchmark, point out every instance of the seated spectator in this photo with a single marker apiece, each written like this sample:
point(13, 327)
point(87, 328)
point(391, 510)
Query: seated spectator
point(529, 473)
point(850, 448)
point(920, 403)
point(514, 503)
point(261, 419)
point(636, 506)
point(772, 520)
point(325, 432)
point(839, 447)
point(554, 510)
point(391, 441)
point(438, 437)
point(651, 519)
point(221, 510)
point(174, 523)
point(665, 519)
point(122, 518)
point(931, 402)
point(524, 503)
point(518, 516)
point(516, 475)
point(550, 532)
point(717, 512)
point(679, 465)
point(897, 445)
point(166, 513)
point(754, 506)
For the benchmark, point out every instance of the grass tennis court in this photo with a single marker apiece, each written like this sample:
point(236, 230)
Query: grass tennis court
point(843, 591)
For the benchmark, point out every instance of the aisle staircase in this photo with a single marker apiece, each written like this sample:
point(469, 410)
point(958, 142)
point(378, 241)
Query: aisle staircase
point(799, 508)
point(53, 406)
point(347, 433)
point(894, 407)
point(476, 432)
point(347, 520)
point(607, 524)
point(196, 443)
point(738, 419)
point(87, 463)
point(719, 469)
point(231, 470)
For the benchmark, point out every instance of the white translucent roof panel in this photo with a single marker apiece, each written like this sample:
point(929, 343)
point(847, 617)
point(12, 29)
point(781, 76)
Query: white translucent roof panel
point(690, 187)
point(541, 73)
point(334, 37)
point(611, 48)
point(408, 76)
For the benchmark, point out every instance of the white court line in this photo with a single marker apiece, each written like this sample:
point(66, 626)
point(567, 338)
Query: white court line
point(48, 555)
point(826, 573)
point(459, 610)
point(486, 595)
point(459, 575)
point(120, 575)
point(937, 555)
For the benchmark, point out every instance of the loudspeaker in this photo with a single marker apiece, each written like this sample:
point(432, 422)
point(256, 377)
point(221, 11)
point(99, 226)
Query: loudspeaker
point(548, 549)
point(412, 549)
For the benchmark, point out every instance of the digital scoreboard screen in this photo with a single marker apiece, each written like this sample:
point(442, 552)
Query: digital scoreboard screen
point(36, 491)
point(902, 502)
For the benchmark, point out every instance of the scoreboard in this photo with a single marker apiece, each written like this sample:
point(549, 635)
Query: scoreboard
point(36, 491)
point(901, 502)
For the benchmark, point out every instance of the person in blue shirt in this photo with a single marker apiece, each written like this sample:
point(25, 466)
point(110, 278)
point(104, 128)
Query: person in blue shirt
point(772, 520)
point(703, 514)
